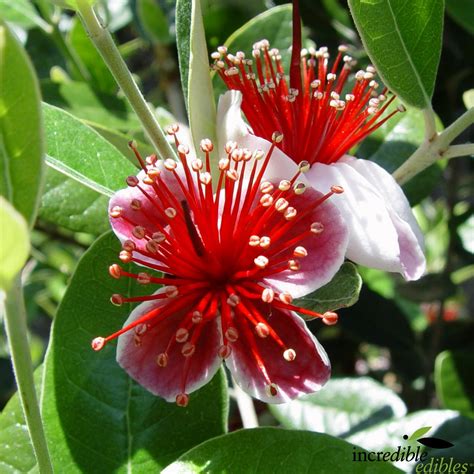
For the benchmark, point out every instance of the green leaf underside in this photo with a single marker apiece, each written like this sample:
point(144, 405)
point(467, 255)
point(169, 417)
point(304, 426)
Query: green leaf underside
point(343, 407)
point(342, 291)
point(273, 450)
point(90, 402)
point(14, 243)
point(394, 142)
point(273, 25)
point(183, 40)
point(454, 383)
point(199, 94)
point(16, 452)
point(403, 39)
point(21, 142)
point(81, 153)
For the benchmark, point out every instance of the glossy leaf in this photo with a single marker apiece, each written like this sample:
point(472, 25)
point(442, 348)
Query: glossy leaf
point(94, 414)
point(343, 407)
point(454, 383)
point(194, 61)
point(273, 25)
point(69, 204)
point(14, 243)
point(394, 142)
point(16, 452)
point(403, 39)
point(153, 20)
point(21, 128)
point(462, 12)
point(21, 13)
point(270, 450)
point(342, 291)
point(80, 153)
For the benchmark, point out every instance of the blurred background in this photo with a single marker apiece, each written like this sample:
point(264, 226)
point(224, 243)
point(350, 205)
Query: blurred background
point(397, 333)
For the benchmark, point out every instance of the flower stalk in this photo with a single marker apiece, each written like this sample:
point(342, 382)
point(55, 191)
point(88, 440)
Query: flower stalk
point(16, 329)
point(107, 48)
point(437, 148)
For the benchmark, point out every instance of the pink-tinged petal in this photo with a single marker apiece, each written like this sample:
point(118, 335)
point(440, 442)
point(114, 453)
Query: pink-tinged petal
point(325, 251)
point(388, 188)
point(374, 238)
point(138, 356)
point(307, 373)
point(147, 215)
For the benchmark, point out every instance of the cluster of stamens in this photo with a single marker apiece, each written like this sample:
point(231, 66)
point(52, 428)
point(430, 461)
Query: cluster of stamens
point(210, 250)
point(320, 121)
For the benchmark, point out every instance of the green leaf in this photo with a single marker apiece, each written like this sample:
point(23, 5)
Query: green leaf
point(268, 450)
point(94, 414)
point(80, 153)
point(16, 452)
point(274, 25)
point(97, 108)
point(71, 205)
point(403, 39)
point(101, 77)
point(22, 13)
point(343, 407)
point(394, 142)
point(419, 433)
point(21, 128)
point(14, 243)
point(72, 4)
point(462, 12)
point(342, 291)
point(446, 424)
point(195, 77)
point(454, 383)
point(154, 22)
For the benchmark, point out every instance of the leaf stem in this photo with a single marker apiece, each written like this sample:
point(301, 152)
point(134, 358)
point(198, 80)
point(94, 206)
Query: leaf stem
point(16, 329)
point(246, 408)
point(430, 123)
point(436, 148)
point(104, 43)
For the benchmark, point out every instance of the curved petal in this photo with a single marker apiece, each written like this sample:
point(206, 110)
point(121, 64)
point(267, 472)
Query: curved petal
point(326, 251)
point(388, 188)
point(379, 238)
point(307, 373)
point(230, 124)
point(138, 356)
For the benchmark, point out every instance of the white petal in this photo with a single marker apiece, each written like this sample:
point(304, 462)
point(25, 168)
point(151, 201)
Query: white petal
point(379, 237)
point(230, 124)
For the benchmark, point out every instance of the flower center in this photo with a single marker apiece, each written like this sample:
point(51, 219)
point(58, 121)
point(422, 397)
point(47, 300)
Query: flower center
point(321, 116)
point(215, 250)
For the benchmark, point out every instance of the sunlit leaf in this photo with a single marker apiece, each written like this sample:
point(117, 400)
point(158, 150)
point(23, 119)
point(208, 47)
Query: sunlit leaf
point(14, 243)
point(403, 39)
point(115, 424)
point(343, 407)
point(270, 450)
point(21, 128)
